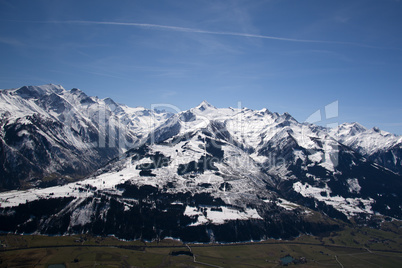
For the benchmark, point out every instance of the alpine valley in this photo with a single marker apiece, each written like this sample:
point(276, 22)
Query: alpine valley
point(73, 164)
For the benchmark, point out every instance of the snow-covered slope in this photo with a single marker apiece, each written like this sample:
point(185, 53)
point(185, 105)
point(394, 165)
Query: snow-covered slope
point(193, 187)
point(47, 132)
point(377, 145)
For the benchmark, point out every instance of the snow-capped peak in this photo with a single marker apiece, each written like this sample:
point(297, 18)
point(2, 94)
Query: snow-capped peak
point(75, 91)
point(365, 141)
point(265, 111)
point(37, 91)
point(288, 117)
point(50, 88)
point(204, 105)
point(351, 128)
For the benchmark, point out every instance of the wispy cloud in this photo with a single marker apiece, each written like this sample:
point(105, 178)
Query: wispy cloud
point(201, 31)
point(11, 41)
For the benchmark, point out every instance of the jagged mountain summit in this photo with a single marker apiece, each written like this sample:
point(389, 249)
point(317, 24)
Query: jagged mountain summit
point(213, 174)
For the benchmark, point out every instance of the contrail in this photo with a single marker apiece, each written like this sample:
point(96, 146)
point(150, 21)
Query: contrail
point(194, 30)
point(189, 30)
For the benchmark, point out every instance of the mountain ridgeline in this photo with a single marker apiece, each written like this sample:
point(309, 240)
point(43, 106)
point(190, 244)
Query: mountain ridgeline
point(206, 174)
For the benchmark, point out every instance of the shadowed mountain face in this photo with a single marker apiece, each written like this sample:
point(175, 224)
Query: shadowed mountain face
point(205, 174)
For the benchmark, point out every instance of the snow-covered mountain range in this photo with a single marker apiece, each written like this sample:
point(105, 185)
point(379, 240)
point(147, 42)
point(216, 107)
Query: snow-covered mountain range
point(49, 134)
point(205, 174)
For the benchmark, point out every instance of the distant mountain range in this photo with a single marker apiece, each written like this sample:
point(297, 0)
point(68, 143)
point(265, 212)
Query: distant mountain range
point(87, 165)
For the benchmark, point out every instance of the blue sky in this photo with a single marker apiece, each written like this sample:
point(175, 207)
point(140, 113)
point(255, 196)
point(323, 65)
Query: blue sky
point(285, 55)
